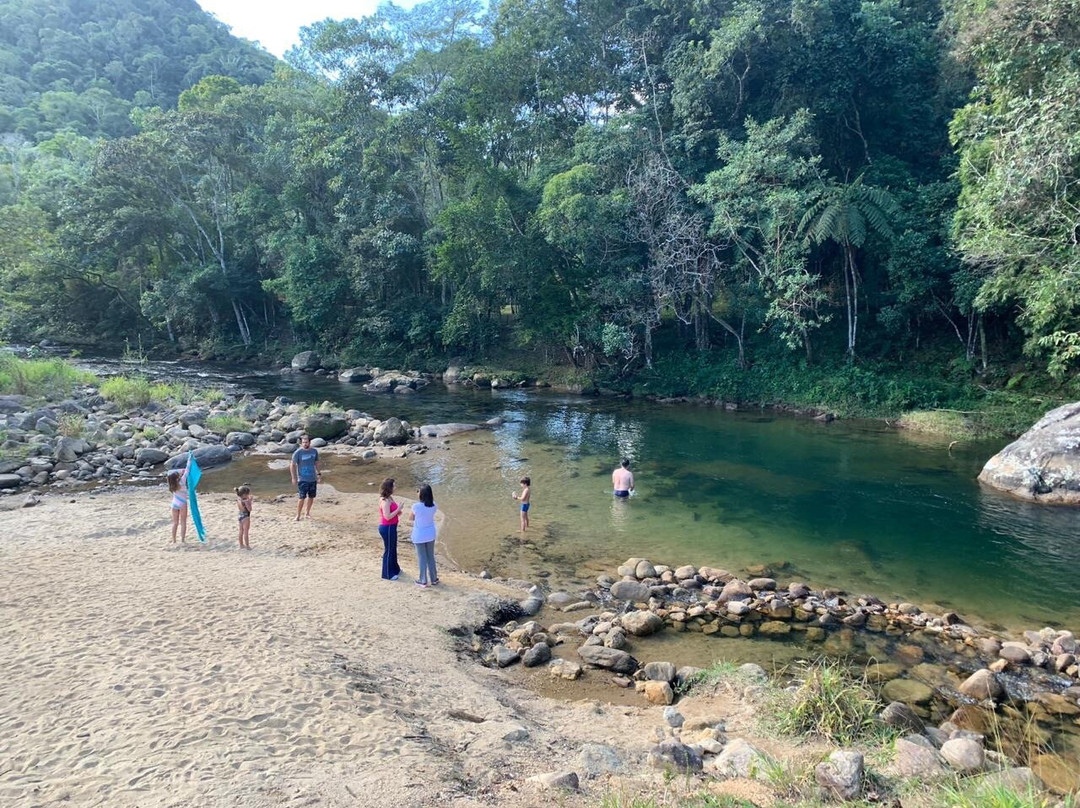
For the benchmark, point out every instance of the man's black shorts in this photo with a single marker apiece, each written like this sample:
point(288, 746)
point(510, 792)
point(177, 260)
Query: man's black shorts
point(306, 490)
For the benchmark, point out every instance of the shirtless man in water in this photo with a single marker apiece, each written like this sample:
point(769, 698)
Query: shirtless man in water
point(622, 480)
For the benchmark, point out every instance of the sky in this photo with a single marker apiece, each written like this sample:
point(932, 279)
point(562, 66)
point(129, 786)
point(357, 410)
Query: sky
point(276, 24)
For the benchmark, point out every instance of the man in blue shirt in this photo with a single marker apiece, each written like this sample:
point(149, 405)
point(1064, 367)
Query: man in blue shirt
point(305, 474)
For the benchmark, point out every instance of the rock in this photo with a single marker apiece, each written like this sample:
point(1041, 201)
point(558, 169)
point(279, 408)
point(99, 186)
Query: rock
point(555, 781)
point(206, 456)
point(899, 715)
point(355, 375)
point(642, 623)
point(740, 759)
point(735, 590)
point(326, 425)
point(659, 671)
point(66, 449)
point(659, 692)
point(564, 669)
point(798, 590)
point(673, 718)
point(10, 480)
point(1043, 464)
point(536, 655)
point(684, 572)
point(1057, 773)
point(676, 755)
point(752, 672)
point(774, 628)
point(916, 757)
point(908, 691)
point(644, 569)
point(616, 638)
point(841, 776)
point(243, 439)
point(762, 584)
point(596, 759)
point(981, 685)
point(964, 754)
point(193, 415)
point(503, 656)
point(610, 658)
point(632, 591)
point(778, 609)
point(445, 430)
point(307, 361)
point(150, 457)
point(878, 672)
point(1020, 780)
point(1015, 653)
point(1058, 704)
point(391, 432)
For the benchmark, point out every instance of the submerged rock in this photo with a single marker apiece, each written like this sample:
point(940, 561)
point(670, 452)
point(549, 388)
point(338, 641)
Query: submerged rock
point(1043, 464)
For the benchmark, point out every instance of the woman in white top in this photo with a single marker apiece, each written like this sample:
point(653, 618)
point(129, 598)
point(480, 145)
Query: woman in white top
point(423, 536)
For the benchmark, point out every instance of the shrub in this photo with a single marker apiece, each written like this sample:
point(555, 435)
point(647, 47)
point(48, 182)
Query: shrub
point(40, 377)
point(998, 795)
point(138, 391)
point(829, 703)
point(71, 425)
point(707, 677)
point(223, 424)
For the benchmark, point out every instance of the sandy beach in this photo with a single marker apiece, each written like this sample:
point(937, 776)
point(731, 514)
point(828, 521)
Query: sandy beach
point(140, 673)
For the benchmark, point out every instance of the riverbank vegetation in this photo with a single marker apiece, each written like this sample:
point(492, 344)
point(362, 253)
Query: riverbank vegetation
point(832, 204)
point(39, 378)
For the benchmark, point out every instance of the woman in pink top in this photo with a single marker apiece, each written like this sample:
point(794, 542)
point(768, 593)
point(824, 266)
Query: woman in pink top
point(389, 513)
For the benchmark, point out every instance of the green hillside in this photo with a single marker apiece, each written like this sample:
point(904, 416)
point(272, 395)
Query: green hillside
point(82, 65)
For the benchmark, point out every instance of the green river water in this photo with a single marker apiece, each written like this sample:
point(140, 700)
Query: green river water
point(852, 504)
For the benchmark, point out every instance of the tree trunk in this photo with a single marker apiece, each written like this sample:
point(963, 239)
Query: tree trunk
point(853, 300)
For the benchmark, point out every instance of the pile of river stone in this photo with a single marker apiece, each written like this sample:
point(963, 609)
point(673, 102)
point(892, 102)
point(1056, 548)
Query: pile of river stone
point(1033, 678)
point(104, 443)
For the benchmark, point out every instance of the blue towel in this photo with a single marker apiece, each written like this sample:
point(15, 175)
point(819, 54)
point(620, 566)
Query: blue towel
point(194, 474)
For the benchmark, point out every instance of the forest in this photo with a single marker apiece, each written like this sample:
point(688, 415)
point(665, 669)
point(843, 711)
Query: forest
point(668, 194)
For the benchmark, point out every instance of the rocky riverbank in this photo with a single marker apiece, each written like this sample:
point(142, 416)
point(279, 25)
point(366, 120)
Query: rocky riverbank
point(86, 438)
point(950, 687)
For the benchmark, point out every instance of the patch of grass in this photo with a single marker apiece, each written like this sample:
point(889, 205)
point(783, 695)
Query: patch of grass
point(138, 391)
point(71, 425)
point(946, 423)
point(829, 703)
point(710, 676)
point(150, 433)
point(223, 424)
point(975, 794)
point(793, 781)
point(48, 378)
point(211, 395)
point(703, 800)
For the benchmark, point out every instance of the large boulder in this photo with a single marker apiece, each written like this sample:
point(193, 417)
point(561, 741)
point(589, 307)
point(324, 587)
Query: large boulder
point(610, 658)
point(740, 759)
point(1043, 464)
point(307, 361)
point(672, 754)
point(355, 375)
point(391, 432)
point(10, 480)
point(150, 456)
point(445, 430)
point(9, 405)
point(206, 457)
point(981, 685)
point(326, 425)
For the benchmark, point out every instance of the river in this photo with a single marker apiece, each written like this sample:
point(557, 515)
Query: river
point(854, 504)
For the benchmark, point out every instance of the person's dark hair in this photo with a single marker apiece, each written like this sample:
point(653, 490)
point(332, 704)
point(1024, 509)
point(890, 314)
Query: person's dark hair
point(174, 480)
point(526, 481)
point(304, 438)
point(387, 487)
point(243, 490)
point(626, 462)
point(426, 496)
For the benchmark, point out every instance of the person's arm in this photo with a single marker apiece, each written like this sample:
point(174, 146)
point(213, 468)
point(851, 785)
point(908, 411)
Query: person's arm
point(631, 480)
point(395, 510)
point(318, 471)
point(187, 468)
point(293, 470)
point(615, 479)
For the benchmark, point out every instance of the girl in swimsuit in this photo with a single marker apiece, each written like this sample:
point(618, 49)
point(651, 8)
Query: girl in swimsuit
point(178, 488)
point(244, 503)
